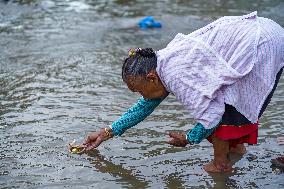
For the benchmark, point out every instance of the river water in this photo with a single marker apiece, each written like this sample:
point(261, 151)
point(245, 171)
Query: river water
point(60, 64)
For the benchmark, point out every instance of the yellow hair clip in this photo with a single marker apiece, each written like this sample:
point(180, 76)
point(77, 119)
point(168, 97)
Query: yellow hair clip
point(131, 52)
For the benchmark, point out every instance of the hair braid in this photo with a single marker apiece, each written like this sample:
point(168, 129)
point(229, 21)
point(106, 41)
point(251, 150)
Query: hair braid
point(139, 63)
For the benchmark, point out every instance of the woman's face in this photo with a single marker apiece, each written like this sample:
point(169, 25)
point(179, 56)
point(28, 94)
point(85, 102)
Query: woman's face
point(150, 87)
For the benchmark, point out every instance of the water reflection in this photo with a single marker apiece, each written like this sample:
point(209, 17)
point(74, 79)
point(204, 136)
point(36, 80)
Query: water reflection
point(174, 181)
point(132, 178)
point(126, 177)
point(226, 180)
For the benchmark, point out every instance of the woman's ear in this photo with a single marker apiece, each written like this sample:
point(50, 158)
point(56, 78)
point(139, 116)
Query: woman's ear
point(152, 77)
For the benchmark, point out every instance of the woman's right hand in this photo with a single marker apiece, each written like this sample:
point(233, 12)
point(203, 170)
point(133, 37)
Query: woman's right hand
point(94, 139)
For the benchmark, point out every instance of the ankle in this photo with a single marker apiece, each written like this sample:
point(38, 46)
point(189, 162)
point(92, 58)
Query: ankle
point(224, 166)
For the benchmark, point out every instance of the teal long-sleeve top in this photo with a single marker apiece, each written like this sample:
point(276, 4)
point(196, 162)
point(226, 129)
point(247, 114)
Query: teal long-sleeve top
point(144, 107)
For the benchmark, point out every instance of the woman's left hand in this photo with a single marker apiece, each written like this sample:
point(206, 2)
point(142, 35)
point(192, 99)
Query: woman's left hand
point(177, 139)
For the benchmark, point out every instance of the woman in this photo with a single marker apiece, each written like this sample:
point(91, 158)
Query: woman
point(224, 74)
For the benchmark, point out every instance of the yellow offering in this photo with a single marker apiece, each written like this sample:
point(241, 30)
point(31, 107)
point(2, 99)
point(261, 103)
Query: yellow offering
point(76, 149)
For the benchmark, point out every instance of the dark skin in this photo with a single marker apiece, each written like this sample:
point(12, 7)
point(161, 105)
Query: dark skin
point(150, 87)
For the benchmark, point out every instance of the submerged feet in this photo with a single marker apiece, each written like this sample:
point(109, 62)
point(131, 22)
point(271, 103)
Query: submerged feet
point(222, 161)
point(214, 167)
point(278, 162)
point(224, 165)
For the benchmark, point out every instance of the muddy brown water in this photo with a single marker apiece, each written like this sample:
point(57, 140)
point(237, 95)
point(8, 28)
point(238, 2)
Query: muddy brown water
point(60, 79)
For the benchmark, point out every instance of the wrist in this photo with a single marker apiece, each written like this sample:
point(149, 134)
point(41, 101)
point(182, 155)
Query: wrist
point(108, 132)
point(187, 138)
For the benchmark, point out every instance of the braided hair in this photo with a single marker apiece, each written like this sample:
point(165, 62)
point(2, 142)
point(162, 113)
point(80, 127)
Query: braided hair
point(139, 63)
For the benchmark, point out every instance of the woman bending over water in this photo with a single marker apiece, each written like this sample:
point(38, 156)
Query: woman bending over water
point(224, 74)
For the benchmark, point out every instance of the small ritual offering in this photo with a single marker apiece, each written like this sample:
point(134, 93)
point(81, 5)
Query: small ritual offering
point(76, 149)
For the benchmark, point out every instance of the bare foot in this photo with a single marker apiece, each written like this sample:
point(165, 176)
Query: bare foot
point(240, 149)
point(278, 162)
point(281, 159)
point(212, 168)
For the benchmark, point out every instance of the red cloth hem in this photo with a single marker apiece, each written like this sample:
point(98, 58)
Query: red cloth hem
point(236, 134)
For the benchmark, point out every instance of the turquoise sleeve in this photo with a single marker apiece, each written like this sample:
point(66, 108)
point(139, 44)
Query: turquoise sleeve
point(134, 115)
point(198, 133)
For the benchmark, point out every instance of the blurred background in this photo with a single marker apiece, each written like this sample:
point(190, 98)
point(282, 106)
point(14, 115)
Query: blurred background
point(60, 78)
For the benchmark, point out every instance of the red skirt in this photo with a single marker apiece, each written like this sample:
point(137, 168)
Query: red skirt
point(236, 134)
